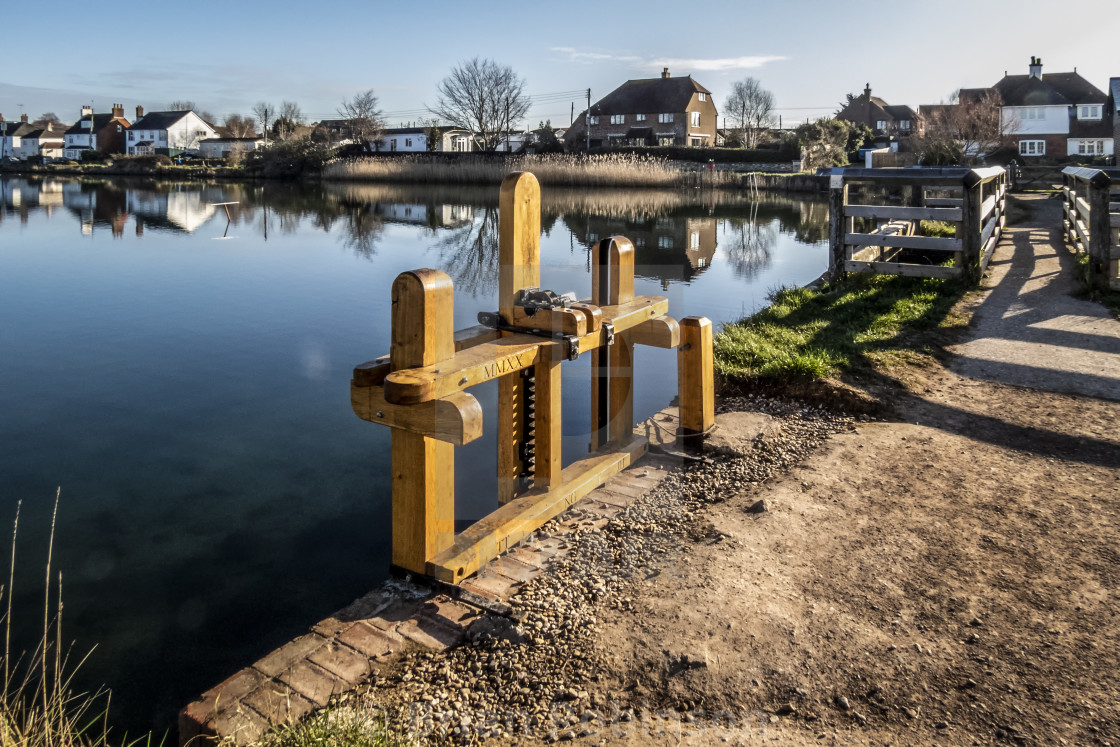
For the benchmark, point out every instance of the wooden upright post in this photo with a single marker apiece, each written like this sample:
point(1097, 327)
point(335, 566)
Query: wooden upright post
point(612, 386)
point(695, 371)
point(519, 258)
point(837, 200)
point(1100, 230)
point(423, 334)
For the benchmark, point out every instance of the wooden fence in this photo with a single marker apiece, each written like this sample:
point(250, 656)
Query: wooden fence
point(875, 220)
point(418, 390)
point(1092, 220)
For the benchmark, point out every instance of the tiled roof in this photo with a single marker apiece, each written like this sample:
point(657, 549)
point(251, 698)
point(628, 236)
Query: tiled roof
point(1114, 86)
point(1051, 89)
point(649, 95)
point(100, 121)
point(158, 120)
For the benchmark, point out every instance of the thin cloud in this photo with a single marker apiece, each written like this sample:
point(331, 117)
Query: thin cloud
point(718, 64)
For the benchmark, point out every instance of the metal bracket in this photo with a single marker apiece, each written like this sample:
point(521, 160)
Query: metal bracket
point(494, 320)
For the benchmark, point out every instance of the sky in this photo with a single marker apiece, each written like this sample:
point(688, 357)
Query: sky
point(226, 56)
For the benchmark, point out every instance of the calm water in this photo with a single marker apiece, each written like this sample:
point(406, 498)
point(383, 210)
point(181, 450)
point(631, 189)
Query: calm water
point(185, 380)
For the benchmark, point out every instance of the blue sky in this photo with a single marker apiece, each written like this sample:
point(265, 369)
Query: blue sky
point(225, 56)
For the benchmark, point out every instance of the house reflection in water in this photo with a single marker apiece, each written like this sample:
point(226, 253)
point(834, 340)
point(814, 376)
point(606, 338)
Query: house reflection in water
point(21, 196)
point(433, 215)
point(671, 248)
point(179, 207)
point(96, 205)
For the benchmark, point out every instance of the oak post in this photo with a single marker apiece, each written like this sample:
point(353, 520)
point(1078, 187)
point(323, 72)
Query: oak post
point(1100, 232)
point(519, 259)
point(423, 334)
point(837, 200)
point(695, 372)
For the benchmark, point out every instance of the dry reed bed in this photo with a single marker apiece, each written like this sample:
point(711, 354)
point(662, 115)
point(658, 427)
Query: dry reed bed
point(611, 170)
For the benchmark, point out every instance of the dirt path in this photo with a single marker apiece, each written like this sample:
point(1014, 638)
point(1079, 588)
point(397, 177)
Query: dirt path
point(948, 575)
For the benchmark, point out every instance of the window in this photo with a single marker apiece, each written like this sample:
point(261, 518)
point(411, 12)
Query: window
point(1032, 147)
point(1090, 147)
point(904, 125)
point(618, 119)
point(639, 118)
point(664, 242)
point(408, 142)
point(694, 240)
point(1090, 111)
point(1033, 112)
point(695, 119)
point(665, 118)
point(393, 144)
point(666, 140)
point(593, 120)
point(881, 124)
point(132, 136)
point(703, 96)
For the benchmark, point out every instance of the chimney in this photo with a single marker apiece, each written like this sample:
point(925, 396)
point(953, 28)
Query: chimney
point(867, 91)
point(87, 111)
point(118, 111)
point(1036, 67)
point(664, 73)
point(139, 111)
point(23, 118)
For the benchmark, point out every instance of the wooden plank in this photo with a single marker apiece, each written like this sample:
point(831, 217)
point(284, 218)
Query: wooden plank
point(946, 202)
point(565, 321)
point(509, 524)
point(659, 332)
point(519, 238)
point(547, 427)
point(903, 242)
point(695, 375)
point(1082, 234)
point(466, 369)
point(889, 212)
point(423, 469)
point(622, 271)
point(593, 314)
point(989, 229)
point(1114, 220)
point(987, 208)
point(372, 373)
point(895, 268)
point(625, 316)
point(455, 419)
point(600, 396)
point(1082, 208)
point(621, 410)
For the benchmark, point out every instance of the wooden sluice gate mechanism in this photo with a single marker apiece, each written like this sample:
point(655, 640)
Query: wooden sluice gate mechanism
point(419, 390)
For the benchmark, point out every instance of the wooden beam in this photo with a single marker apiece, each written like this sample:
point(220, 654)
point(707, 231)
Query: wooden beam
point(891, 212)
point(455, 419)
point(621, 410)
point(466, 369)
point(489, 537)
point(564, 321)
point(903, 242)
point(695, 372)
point(423, 469)
point(837, 204)
point(894, 268)
point(659, 332)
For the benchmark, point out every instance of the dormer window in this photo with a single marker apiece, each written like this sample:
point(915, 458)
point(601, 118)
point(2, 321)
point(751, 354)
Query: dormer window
point(1089, 111)
point(703, 96)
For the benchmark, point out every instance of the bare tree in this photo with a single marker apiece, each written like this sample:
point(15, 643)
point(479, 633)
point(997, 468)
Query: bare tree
point(363, 118)
point(181, 105)
point(236, 125)
point(748, 111)
point(46, 118)
point(265, 112)
point(484, 97)
point(964, 130)
point(288, 121)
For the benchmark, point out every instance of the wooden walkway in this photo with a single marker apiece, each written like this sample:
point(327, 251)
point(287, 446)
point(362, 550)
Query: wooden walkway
point(1031, 329)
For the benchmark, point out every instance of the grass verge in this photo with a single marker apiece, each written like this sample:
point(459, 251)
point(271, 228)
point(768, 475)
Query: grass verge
point(844, 327)
point(352, 727)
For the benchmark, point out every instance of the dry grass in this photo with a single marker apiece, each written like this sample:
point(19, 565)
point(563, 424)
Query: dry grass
point(611, 170)
point(38, 705)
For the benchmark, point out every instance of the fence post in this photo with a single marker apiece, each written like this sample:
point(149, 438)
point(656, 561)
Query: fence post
point(971, 206)
point(423, 334)
point(695, 371)
point(1100, 230)
point(837, 199)
point(612, 369)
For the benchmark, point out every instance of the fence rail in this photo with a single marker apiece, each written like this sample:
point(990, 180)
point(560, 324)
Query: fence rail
point(1092, 218)
point(868, 233)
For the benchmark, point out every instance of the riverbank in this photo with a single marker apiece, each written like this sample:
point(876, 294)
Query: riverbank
point(596, 171)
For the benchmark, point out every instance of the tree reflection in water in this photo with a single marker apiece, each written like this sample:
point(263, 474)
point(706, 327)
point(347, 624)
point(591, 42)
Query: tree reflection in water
point(750, 243)
point(469, 253)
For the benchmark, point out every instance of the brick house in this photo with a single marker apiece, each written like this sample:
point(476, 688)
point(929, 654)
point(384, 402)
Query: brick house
point(1056, 114)
point(100, 132)
point(887, 122)
point(1114, 110)
point(649, 111)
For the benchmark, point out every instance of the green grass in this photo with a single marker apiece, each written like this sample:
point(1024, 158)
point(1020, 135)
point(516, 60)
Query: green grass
point(841, 327)
point(351, 727)
point(938, 228)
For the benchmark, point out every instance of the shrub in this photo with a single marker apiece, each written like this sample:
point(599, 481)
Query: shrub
point(288, 160)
